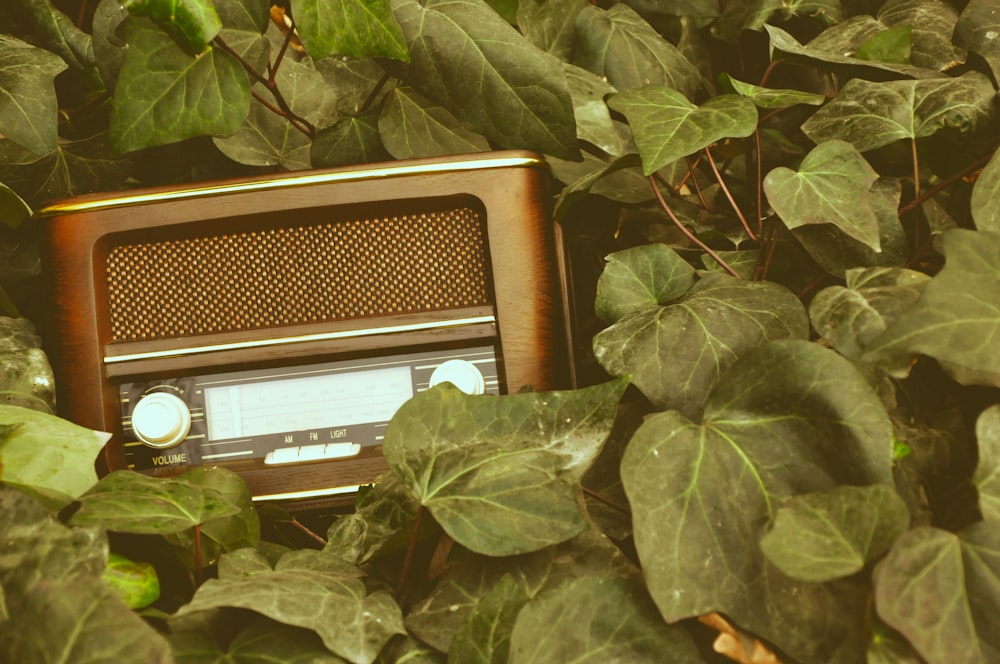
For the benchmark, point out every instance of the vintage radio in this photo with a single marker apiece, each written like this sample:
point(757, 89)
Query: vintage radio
point(274, 325)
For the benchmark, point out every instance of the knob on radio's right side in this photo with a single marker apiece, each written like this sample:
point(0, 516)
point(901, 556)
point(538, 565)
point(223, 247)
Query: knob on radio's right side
point(462, 374)
point(161, 420)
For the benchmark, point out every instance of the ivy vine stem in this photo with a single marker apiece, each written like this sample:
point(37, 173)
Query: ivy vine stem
point(404, 573)
point(948, 181)
point(198, 573)
point(729, 196)
point(610, 503)
point(688, 234)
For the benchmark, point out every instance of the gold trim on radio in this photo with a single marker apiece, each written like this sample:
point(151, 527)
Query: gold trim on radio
point(294, 181)
point(319, 336)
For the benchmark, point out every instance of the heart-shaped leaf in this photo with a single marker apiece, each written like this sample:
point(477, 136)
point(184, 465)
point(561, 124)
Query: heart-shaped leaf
point(823, 536)
point(941, 591)
point(165, 95)
point(985, 194)
point(353, 140)
point(359, 28)
point(869, 115)
point(471, 61)
point(771, 98)
point(195, 22)
point(622, 47)
point(28, 111)
point(501, 473)
point(550, 24)
point(987, 477)
point(597, 619)
point(668, 127)
point(978, 29)
point(787, 418)
point(413, 126)
point(646, 276)
point(956, 318)
point(830, 187)
point(675, 354)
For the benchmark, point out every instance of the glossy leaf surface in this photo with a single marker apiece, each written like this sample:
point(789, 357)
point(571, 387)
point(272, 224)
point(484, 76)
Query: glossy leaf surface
point(27, 88)
point(412, 126)
point(646, 276)
point(349, 27)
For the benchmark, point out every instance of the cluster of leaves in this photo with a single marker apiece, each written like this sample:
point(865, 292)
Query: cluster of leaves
point(798, 207)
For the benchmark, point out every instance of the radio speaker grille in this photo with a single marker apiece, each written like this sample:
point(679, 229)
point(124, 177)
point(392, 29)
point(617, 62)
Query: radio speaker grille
point(363, 267)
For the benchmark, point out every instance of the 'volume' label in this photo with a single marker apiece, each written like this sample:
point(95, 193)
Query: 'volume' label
point(170, 459)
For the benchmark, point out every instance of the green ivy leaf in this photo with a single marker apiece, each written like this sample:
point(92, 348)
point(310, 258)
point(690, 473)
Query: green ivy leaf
point(850, 317)
point(413, 126)
point(650, 275)
point(593, 121)
point(136, 583)
point(13, 209)
point(830, 187)
point(978, 30)
point(870, 115)
point(468, 59)
point(668, 127)
point(313, 590)
point(985, 194)
point(892, 45)
point(597, 619)
point(819, 537)
point(987, 476)
point(259, 640)
point(787, 418)
point(618, 179)
point(25, 375)
point(130, 502)
point(28, 113)
point(380, 514)
point(939, 589)
point(550, 24)
point(484, 636)
point(769, 97)
point(352, 140)
point(354, 81)
point(740, 16)
point(193, 21)
point(501, 473)
point(359, 28)
point(676, 353)
point(932, 24)
point(956, 318)
point(58, 33)
point(165, 95)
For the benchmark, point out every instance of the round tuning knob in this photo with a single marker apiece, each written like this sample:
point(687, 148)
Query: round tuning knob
point(460, 373)
point(161, 420)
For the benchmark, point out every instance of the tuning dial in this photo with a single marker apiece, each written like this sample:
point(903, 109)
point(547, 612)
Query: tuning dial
point(460, 373)
point(161, 420)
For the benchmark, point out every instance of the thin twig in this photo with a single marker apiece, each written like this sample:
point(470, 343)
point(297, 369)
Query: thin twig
point(408, 561)
point(951, 179)
point(697, 187)
point(374, 93)
point(197, 556)
point(305, 529)
point(813, 285)
point(729, 196)
point(688, 234)
point(760, 182)
point(610, 503)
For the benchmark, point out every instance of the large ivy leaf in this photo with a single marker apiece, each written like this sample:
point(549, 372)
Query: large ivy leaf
point(869, 114)
point(830, 187)
point(850, 317)
point(789, 417)
point(676, 353)
point(313, 590)
point(623, 48)
point(413, 126)
point(819, 537)
point(931, 24)
point(130, 502)
point(597, 619)
point(194, 21)
point(985, 194)
point(668, 127)
point(165, 95)
point(942, 591)
point(550, 24)
point(646, 276)
point(501, 473)
point(987, 476)
point(468, 59)
point(28, 111)
point(359, 28)
point(259, 641)
point(978, 30)
point(955, 320)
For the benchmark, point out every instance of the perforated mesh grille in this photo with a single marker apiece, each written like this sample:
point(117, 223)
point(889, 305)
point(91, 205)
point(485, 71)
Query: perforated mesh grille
point(285, 276)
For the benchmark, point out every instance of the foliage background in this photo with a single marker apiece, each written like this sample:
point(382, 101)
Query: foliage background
point(785, 235)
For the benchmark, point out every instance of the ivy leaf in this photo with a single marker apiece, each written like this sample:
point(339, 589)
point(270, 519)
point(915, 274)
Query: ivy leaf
point(939, 589)
point(359, 28)
point(850, 317)
point(58, 33)
point(501, 473)
point(165, 95)
point(193, 21)
point(787, 418)
point(985, 194)
point(646, 276)
point(870, 115)
point(593, 121)
point(13, 209)
point(987, 476)
point(28, 113)
point(618, 45)
point(352, 140)
point(259, 640)
point(380, 513)
point(892, 45)
point(550, 24)
point(932, 24)
point(313, 590)
point(484, 636)
point(668, 127)
point(819, 537)
point(740, 16)
point(956, 318)
point(676, 353)
point(597, 619)
point(769, 97)
point(978, 30)
point(618, 179)
point(413, 126)
point(472, 62)
point(130, 502)
point(830, 187)
point(136, 583)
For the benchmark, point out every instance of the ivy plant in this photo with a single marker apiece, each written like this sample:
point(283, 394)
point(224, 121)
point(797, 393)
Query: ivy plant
point(784, 225)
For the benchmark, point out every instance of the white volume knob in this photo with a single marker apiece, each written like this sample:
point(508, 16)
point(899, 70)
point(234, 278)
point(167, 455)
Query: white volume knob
point(161, 420)
point(460, 373)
